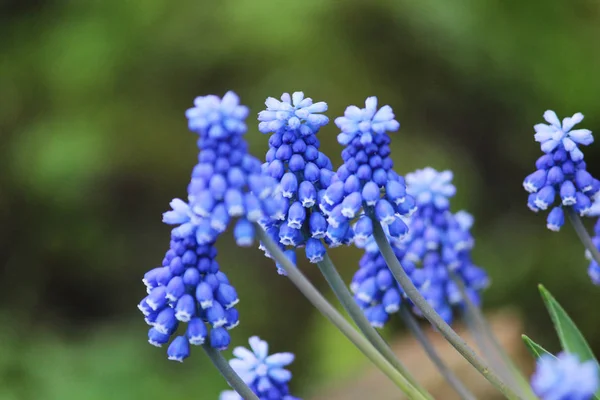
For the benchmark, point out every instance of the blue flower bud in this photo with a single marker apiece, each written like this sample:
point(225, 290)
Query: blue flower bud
point(233, 318)
point(351, 205)
point(284, 152)
point(567, 193)
point(243, 233)
point(370, 193)
point(155, 338)
point(216, 315)
point(253, 207)
point(398, 229)
point(219, 338)
point(289, 236)
point(545, 197)
point(276, 169)
point(205, 233)
point(556, 219)
point(544, 162)
point(583, 203)
point(296, 163)
point(325, 177)
point(367, 290)
point(407, 207)
point(166, 323)
point(226, 295)
point(535, 181)
point(157, 298)
point(234, 202)
point(384, 279)
point(364, 173)
point(334, 193)
point(289, 185)
point(583, 180)
point(163, 276)
point(179, 349)
point(315, 250)
point(150, 278)
point(384, 212)
point(352, 184)
point(555, 176)
point(337, 234)
point(204, 295)
point(211, 280)
point(377, 316)
point(276, 207)
point(336, 217)
point(380, 177)
point(175, 289)
point(296, 215)
point(219, 219)
point(307, 194)
point(317, 225)
point(391, 300)
point(363, 230)
point(312, 173)
point(185, 308)
point(196, 331)
point(395, 191)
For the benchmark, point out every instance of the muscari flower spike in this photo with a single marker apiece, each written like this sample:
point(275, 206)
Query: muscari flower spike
point(303, 172)
point(561, 172)
point(264, 374)
point(366, 185)
point(438, 242)
point(226, 183)
point(564, 378)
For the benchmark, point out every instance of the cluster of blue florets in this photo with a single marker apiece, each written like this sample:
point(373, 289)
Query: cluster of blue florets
point(561, 171)
point(439, 244)
point(303, 172)
point(365, 186)
point(227, 183)
point(565, 377)
point(189, 288)
point(264, 374)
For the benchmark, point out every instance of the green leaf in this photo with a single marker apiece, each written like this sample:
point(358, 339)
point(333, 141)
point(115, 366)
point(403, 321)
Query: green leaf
point(570, 337)
point(535, 349)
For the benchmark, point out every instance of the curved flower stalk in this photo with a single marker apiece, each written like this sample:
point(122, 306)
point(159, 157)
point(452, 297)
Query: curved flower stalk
point(303, 172)
point(227, 183)
point(561, 172)
point(565, 378)
point(263, 373)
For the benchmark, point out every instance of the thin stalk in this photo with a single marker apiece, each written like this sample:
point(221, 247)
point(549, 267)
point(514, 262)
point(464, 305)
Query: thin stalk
point(229, 374)
point(583, 234)
point(482, 332)
point(341, 291)
point(414, 327)
point(428, 312)
point(321, 304)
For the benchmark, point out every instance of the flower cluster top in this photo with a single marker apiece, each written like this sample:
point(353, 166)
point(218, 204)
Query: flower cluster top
point(264, 374)
point(366, 186)
point(302, 171)
point(561, 172)
point(565, 378)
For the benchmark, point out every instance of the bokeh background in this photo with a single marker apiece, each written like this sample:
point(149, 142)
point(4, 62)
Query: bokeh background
point(94, 144)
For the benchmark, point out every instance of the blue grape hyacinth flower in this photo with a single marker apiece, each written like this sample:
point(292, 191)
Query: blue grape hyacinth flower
point(189, 288)
point(227, 183)
point(438, 243)
point(264, 374)
point(564, 378)
point(365, 185)
point(561, 174)
point(594, 268)
point(302, 171)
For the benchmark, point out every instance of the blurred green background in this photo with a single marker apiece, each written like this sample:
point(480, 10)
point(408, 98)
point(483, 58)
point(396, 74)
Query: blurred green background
point(94, 144)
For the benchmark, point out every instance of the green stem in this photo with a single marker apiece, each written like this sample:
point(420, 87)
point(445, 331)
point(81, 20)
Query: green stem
point(321, 304)
point(483, 334)
point(229, 374)
point(415, 329)
point(428, 312)
point(347, 300)
point(583, 234)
